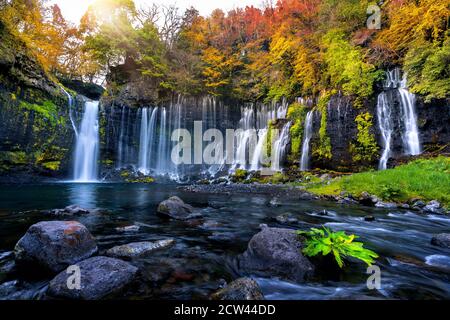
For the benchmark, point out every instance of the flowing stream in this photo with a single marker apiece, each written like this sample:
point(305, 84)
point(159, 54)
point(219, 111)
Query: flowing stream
point(203, 254)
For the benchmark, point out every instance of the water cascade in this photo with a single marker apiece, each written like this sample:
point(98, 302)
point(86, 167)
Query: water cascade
point(407, 117)
point(87, 145)
point(147, 134)
point(386, 128)
point(304, 160)
point(279, 147)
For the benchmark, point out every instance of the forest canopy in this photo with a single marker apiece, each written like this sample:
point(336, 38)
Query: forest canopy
point(287, 48)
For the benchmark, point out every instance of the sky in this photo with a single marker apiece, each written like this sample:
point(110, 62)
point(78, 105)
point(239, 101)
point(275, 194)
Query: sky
point(73, 10)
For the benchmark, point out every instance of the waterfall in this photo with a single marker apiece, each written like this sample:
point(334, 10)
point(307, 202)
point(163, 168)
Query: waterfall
point(411, 134)
point(256, 160)
point(304, 161)
point(69, 97)
point(279, 147)
point(255, 119)
point(407, 117)
point(87, 145)
point(162, 164)
point(386, 128)
point(148, 130)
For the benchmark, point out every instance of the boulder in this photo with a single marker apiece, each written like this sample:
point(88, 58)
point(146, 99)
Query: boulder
point(175, 208)
point(276, 252)
point(138, 249)
point(367, 199)
point(100, 277)
point(441, 240)
point(240, 289)
point(434, 207)
point(54, 245)
point(369, 218)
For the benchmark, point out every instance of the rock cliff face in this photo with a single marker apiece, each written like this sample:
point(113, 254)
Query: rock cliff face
point(35, 131)
point(433, 120)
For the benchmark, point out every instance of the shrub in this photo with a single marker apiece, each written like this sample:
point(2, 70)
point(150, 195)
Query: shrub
point(338, 243)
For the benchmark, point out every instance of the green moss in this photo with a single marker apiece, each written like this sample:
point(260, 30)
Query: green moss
point(240, 175)
point(52, 165)
point(13, 158)
point(296, 114)
point(322, 149)
point(145, 179)
point(365, 148)
point(427, 179)
point(47, 110)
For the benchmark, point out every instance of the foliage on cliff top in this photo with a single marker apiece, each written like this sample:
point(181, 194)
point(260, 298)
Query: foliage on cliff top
point(291, 48)
point(427, 179)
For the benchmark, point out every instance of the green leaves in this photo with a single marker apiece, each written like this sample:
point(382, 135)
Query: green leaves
point(339, 243)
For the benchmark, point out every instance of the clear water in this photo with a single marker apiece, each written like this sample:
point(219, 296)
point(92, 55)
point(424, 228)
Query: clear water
point(411, 268)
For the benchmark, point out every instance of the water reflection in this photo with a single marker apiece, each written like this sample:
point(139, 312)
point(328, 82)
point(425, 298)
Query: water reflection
point(84, 195)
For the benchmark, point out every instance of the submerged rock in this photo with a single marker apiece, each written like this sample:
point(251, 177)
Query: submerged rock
point(276, 252)
point(240, 289)
point(286, 218)
point(434, 207)
point(100, 277)
point(138, 249)
point(54, 245)
point(175, 208)
point(441, 240)
point(132, 228)
point(386, 205)
point(369, 218)
point(69, 211)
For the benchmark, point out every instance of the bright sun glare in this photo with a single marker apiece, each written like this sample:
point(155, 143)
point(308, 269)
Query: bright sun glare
point(73, 10)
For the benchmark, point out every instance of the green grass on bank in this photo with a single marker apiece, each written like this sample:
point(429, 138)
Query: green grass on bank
point(427, 179)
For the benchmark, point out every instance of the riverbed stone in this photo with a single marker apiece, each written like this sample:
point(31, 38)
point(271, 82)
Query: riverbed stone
point(434, 207)
point(367, 199)
point(369, 218)
point(138, 249)
point(175, 208)
point(72, 210)
point(100, 277)
point(441, 240)
point(239, 289)
point(54, 245)
point(126, 229)
point(286, 218)
point(276, 252)
point(385, 205)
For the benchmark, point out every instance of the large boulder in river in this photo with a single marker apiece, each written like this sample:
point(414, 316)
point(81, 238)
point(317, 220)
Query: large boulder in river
point(240, 289)
point(54, 245)
point(276, 252)
point(138, 249)
point(441, 240)
point(99, 277)
point(175, 208)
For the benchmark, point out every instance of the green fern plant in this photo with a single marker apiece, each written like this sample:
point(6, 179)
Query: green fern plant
point(338, 243)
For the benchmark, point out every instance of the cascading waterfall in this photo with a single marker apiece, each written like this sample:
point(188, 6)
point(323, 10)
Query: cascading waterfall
point(162, 164)
point(411, 135)
point(254, 125)
point(87, 145)
point(279, 147)
point(256, 159)
point(304, 160)
point(407, 114)
point(148, 130)
point(386, 128)
point(69, 97)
